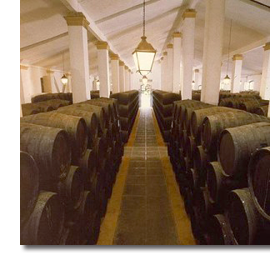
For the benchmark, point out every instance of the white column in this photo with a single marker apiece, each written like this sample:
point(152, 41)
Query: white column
point(236, 73)
point(22, 97)
point(115, 73)
point(212, 50)
point(103, 69)
point(162, 72)
point(188, 51)
point(170, 67)
point(165, 71)
point(122, 76)
point(130, 79)
point(69, 87)
point(197, 79)
point(126, 79)
point(176, 61)
point(78, 50)
point(265, 81)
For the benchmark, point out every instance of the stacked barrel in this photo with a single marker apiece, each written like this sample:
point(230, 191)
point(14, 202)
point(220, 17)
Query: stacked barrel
point(163, 108)
point(43, 106)
point(69, 161)
point(210, 149)
point(128, 105)
point(48, 96)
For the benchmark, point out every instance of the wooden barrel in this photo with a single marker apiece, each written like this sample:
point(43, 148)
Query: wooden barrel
point(99, 111)
point(236, 146)
point(235, 102)
point(188, 114)
point(71, 189)
point(263, 110)
point(190, 147)
point(31, 108)
point(203, 207)
point(214, 124)
point(198, 116)
point(88, 164)
point(114, 104)
point(219, 231)
point(242, 216)
point(74, 126)
point(50, 149)
point(258, 179)
point(192, 178)
point(45, 224)
point(90, 119)
point(86, 212)
point(249, 106)
point(107, 109)
point(70, 236)
point(218, 184)
point(200, 160)
point(29, 185)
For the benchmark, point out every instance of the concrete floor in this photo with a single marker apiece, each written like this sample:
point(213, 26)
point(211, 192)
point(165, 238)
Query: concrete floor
point(146, 207)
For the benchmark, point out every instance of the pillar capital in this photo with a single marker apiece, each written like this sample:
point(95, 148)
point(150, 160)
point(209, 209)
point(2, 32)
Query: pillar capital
point(49, 71)
point(23, 67)
point(126, 67)
point(189, 13)
point(177, 35)
point(196, 70)
point(237, 57)
point(169, 46)
point(114, 56)
point(165, 53)
point(76, 19)
point(267, 46)
point(102, 45)
point(161, 58)
point(121, 63)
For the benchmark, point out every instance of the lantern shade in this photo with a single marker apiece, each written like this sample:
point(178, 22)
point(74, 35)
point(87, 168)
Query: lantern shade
point(144, 56)
point(227, 79)
point(64, 79)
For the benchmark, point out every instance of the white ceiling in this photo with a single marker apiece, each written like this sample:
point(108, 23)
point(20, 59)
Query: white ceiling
point(44, 37)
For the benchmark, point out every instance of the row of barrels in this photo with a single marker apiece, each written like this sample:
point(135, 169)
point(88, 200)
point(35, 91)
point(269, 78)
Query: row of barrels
point(128, 105)
point(210, 149)
point(163, 108)
point(48, 96)
point(43, 106)
point(249, 104)
point(69, 161)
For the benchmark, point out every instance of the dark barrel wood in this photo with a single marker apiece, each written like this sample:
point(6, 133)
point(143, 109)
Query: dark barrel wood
point(99, 111)
point(86, 213)
point(235, 101)
point(45, 224)
point(190, 147)
point(263, 110)
point(90, 119)
point(236, 146)
point(198, 116)
point(88, 164)
point(213, 125)
point(74, 126)
point(249, 106)
point(114, 103)
point(70, 190)
point(29, 185)
point(200, 160)
point(218, 184)
point(219, 231)
point(50, 149)
point(259, 181)
point(243, 216)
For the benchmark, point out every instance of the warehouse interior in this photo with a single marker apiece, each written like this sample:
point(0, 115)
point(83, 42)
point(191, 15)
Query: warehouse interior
point(145, 122)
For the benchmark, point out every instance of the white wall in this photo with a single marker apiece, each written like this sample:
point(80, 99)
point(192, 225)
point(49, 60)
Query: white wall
point(31, 83)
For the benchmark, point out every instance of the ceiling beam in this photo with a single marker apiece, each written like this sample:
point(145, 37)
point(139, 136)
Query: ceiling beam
point(125, 11)
point(257, 4)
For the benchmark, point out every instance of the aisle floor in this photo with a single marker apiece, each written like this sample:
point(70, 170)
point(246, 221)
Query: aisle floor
point(146, 207)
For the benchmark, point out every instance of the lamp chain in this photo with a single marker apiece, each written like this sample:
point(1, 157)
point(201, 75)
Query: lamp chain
point(144, 18)
point(229, 47)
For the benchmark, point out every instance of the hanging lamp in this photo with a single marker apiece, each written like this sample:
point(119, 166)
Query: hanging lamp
point(144, 80)
point(227, 79)
point(144, 54)
point(64, 78)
